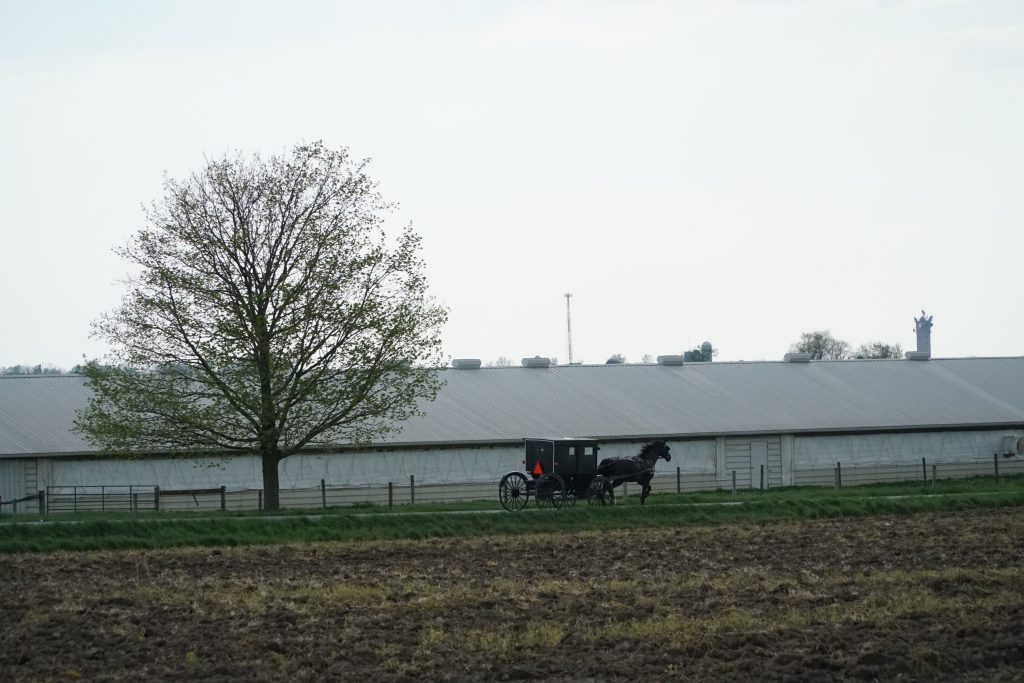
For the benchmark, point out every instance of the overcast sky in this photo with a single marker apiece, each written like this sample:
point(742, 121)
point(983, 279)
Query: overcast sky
point(738, 172)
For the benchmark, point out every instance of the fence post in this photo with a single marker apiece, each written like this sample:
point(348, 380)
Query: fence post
point(103, 499)
point(934, 466)
point(391, 495)
point(323, 493)
point(223, 499)
point(412, 489)
point(734, 483)
point(42, 502)
point(839, 475)
point(679, 480)
point(259, 500)
point(762, 477)
point(156, 498)
point(924, 470)
point(75, 499)
point(995, 461)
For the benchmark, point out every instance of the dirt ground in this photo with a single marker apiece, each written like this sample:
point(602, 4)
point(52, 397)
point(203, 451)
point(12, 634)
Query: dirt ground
point(923, 597)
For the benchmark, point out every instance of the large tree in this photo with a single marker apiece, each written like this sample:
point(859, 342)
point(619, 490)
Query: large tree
point(822, 346)
point(272, 312)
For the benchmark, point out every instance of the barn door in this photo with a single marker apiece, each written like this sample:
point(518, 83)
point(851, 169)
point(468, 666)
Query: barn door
point(758, 460)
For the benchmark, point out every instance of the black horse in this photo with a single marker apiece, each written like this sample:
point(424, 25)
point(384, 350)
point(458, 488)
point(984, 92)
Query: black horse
point(639, 468)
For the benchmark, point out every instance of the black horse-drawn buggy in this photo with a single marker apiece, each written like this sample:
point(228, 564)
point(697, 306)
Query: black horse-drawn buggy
point(560, 471)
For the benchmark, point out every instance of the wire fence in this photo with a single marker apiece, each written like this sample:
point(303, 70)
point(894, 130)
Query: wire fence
point(135, 498)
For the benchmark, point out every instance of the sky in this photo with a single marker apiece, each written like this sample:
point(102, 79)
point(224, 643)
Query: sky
point(732, 171)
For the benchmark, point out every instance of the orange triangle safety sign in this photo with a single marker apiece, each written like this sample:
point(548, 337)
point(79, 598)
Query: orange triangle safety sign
point(537, 469)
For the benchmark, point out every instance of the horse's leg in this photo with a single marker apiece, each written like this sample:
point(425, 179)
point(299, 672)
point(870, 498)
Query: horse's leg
point(646, 491)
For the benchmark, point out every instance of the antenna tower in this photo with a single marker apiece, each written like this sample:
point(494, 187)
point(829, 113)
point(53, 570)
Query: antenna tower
point(568, 324)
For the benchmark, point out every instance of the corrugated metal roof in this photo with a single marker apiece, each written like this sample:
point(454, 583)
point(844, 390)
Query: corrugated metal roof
point(608, 401)
point(722, 398)
point(37, 412)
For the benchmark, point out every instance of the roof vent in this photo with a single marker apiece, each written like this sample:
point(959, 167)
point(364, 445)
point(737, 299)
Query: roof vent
point(918, 355)
point(466, 363)
point(670, 360)
point(794, 357)
point(537, 362)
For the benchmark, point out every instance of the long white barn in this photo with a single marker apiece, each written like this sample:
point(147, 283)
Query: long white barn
point(720, 418)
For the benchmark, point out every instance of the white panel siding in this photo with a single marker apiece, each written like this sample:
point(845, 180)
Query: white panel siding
point(701, 463)
point(31, 476)
point(874, 474)
point(440, 466)
point(12, 481)
point(737, 457)
point(428, 466)
point(774, 474)
point(860, 450)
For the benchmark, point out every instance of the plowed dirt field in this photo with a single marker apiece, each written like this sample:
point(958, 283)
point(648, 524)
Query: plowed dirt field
point(923, 597)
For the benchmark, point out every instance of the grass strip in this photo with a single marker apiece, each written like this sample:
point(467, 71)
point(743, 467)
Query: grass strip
point(254, 530)
point(974, 485)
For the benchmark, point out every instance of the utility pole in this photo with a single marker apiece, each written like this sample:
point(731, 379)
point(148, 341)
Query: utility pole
point(568, 323)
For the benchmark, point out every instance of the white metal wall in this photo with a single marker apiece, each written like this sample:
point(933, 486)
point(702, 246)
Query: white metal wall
point(12, 480)
point(297, 471)
point(789, 459)
point(861, 450)
point(736, 458)
point(441, 466)
point(692, 457)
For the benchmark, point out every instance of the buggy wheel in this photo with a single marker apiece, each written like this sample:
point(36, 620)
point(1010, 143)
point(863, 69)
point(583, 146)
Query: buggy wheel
point(597, 492)
point(550, 491)
point(513, 493)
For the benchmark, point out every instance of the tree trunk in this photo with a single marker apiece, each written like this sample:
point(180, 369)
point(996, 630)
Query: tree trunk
point(271, 482)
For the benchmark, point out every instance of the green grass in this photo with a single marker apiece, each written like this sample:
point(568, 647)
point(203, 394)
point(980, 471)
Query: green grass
point(977, 485)
point(96, 531)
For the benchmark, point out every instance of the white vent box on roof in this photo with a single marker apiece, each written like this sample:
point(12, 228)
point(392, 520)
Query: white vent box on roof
point(536, 362)
point(466, 363)
point(670, 360)
point(918, 355)
point(797, 357)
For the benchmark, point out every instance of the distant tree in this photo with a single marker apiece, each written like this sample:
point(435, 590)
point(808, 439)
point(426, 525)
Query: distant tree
point(31, 370)
point(501, 362)
point(271, 313)
point(647, 358)
point(879, 350)
point(822, 346)
point(616, 359)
